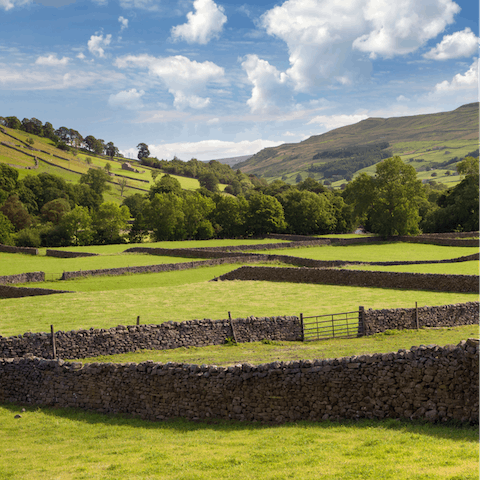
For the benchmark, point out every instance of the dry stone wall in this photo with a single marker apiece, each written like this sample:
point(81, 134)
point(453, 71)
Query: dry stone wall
point(7, 291)
point(27, 250)
point(123, 339)
point(23, 278)
point(377, 321)
point(65, 254)
point(359, 278)
point(426, 382)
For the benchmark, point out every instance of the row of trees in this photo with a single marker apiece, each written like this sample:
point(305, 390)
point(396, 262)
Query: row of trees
point(63, 137)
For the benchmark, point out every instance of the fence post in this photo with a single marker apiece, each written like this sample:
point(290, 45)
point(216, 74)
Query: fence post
point(361, 321)
point(54, 346)
point(233, 329)
point(416, 314)
point(138, 320)
point(303, 329)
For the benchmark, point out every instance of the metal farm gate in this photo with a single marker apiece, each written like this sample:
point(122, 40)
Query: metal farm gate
point(334, 325)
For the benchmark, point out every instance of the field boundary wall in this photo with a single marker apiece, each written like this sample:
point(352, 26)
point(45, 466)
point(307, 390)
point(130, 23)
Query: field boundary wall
point(23, 278)
point(199, 333)
point(358, 278)
point(7, 291)
point(426, 382)
point(26, 250)
point(67, 254)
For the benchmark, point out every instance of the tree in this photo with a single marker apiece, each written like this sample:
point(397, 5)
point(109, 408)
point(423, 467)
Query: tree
point(97, 180)
point(196, 209)
point(390, 202)
point(108, 222)
point(111, 150)
point(143, 151)
point(15, 211)
point(122, 184)
point(265, 215)
point(55, 210)
point(6, 230)
point(77, 226)
point(165, 217)
point(230, 215)
point(13, 122)
point(166, 184)
point(8, 181)
point(209, 181)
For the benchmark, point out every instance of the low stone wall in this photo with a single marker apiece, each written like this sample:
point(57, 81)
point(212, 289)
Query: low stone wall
point(122, 339)
point(26, 250)
point(7, 291)
point(427, 382)
point(358, 278)
point(377, 321)
point(23, 278)
point(65, 254)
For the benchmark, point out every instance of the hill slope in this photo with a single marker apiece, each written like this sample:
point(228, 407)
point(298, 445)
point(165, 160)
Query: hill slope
point(446, 134)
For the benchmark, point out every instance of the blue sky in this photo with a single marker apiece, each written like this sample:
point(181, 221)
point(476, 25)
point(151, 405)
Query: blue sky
point(210, 79)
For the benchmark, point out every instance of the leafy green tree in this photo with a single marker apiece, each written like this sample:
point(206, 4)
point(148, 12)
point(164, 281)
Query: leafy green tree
point(6, 230)
point(143, 151)
point(166, 184)
point(8, 181)
point(230, 216)
point(109, 220)
point(265, 215)
point(13, 122)
point(97, 180)
point(55, 210)
point(307, 213)
point(165, 217)
point(390, 201)
point(209, 181)
point(77, 226)
point(15, 211)
point(111, 150)
point(197, 209)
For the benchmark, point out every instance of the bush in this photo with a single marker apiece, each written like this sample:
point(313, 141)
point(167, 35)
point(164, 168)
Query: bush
point(28, 237)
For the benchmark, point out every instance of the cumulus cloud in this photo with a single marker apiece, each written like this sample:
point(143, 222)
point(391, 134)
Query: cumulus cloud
point(327, 40)
point(467, 81)
point(269, 85)
point(97, 44)
point(123, 22)
point(459, 44)
point(207, 149)
point(9, 4)
point(203, 25)
point(52, 60)
point(129, 99)
point(185, 79)
point(330, 122)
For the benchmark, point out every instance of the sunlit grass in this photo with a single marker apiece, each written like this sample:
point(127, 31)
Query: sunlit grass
point(458, 268)
point(69, 444)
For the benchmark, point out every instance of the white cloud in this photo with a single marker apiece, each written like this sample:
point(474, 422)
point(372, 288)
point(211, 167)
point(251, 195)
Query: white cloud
point(459, 44)
point(129, 99)
point(203, 25)
point(52, 60)
point(101, 3)
point(330, 122)
point(206, 149)
point(97, 43)
point(467, 81)
point(9, 4)
point(81, 56)
point(151, 5)
point(123, 22)
point(326, 39)
point(269, 85)
point(213, 121)
point(23, 78)
point(185, 79)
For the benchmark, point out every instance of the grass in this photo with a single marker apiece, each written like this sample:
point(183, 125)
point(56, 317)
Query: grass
point(272, 351)
point(124, 298)
point(54, 267)
point(385, 252)
point(459, 268)
point(70, 444)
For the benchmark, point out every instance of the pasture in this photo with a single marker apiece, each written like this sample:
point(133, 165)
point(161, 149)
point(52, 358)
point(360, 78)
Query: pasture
point(50, 443)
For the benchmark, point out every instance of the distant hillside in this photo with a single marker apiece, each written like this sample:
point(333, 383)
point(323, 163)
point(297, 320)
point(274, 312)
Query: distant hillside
point(232, 160)
point(429, 142)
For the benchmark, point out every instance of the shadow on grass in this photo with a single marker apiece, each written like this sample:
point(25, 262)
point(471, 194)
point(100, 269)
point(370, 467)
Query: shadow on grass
point(451, 430)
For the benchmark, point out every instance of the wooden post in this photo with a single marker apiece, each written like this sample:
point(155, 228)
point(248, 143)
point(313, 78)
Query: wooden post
point(138, 320)
point(233, 329)
point(301, 324)
point(361, 321)
point(54, 347)
point(416, 315)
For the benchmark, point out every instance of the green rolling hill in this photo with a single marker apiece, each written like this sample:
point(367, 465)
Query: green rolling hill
point(431, 143)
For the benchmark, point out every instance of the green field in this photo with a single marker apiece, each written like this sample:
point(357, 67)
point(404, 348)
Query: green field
point(386, 252)
point(71, 444)
point(459, 268)
point(272, 351)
